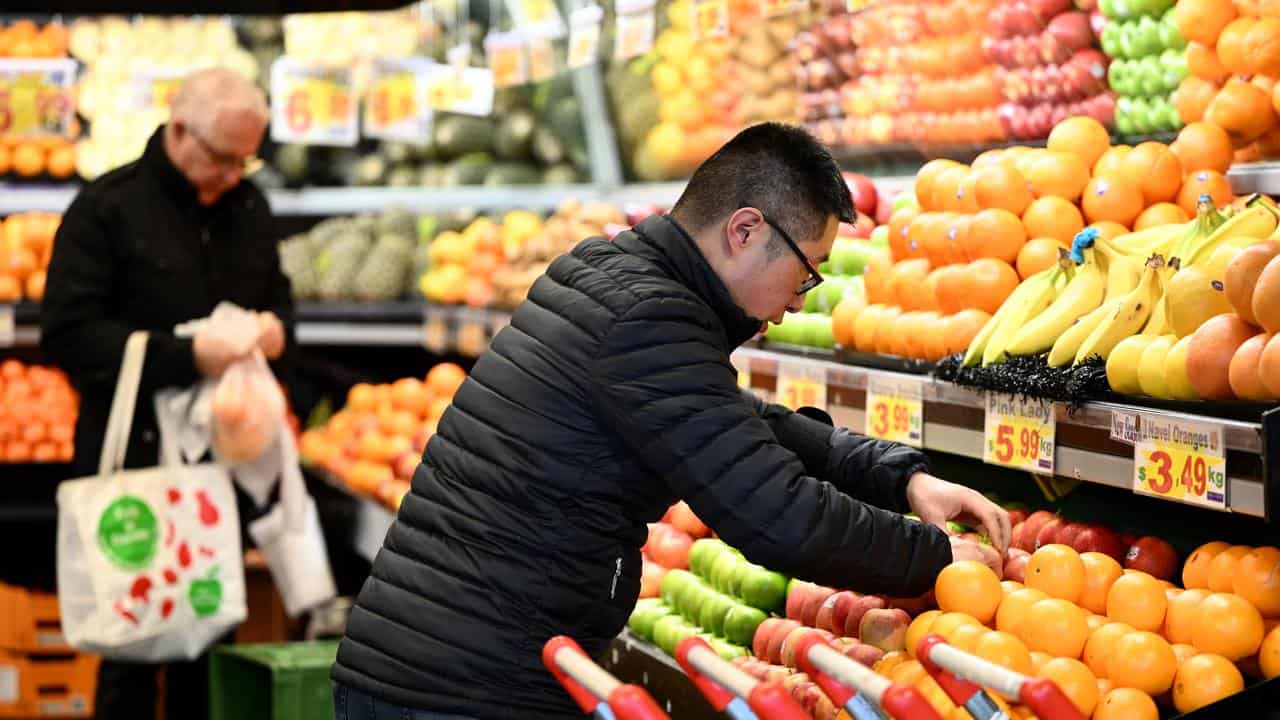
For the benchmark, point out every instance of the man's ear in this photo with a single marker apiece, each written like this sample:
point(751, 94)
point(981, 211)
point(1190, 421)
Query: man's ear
point(742, 229)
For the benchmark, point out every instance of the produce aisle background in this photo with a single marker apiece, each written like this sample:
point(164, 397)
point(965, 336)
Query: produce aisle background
point(979, 138)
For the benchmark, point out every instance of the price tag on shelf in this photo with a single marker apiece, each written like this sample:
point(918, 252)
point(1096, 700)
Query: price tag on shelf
point(710, 18)
point(542, 59)
point(312, 104)
point(472, 337)
point(8, 327)
point(1019, 433)
point(895, 410)
point(1181, 460)
point(773, 8)
point(395, 106)
point(152, 88)
point(36, 96)
point(801, 386)
point(465, 90)
point(507, 60)
point(634, 27)
point(584, 35)
point(1124, 427)
point(537, 16)
point(437, 336)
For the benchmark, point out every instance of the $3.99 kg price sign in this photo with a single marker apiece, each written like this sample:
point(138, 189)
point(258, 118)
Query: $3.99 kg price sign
point(312, 105)
point(1019, 433)
point(35, 96)
point(801, 386)
point(895, 411)
point(1180, 460)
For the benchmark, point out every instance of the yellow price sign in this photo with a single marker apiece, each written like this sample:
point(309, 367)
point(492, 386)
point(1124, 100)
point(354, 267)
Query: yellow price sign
point(895, 411)
point(773, 8)
point(537, 11)
point(312, 105)
point(801, 386)
point(392, 99)
point(507, 59)
point(1019, 433)
point(35, 96)
point(466, 90)
point(1180, 460)
point(542, 59)
point(710, 18)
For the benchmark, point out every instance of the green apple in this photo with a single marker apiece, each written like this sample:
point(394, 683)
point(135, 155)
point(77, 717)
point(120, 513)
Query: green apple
point(664, 632)
point(741, 622)
point(1150, 76)
point(1143, 119)
point(811, 302)
point(1110, 40)
point(851, 257)
point(1120, 77)
point(648, 611)
point(674, 581)
point(714, 610)
point(830, 293)
point(905, 199)
point(764, 589)
point(703, 551)
point(1170, 37)
point(721, 567)
point(1124, 116)
point(880, 236)
point(728, 651)
point(738, 575)
point(1174, 64)
point(1108, 9)
point(692, 599)
point(1146, 36)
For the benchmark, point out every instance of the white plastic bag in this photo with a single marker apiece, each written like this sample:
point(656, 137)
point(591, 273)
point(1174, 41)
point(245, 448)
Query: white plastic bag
point(150, 567)
point(246, 406)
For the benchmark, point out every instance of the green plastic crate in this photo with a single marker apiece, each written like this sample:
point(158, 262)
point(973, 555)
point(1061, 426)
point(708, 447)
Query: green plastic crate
point(288, 681)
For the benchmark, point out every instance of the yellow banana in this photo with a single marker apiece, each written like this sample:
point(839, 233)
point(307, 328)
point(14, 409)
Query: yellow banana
point(1040, 295)
point(1123, 274)
point(1258, 220)
point(973, 354)
point(1065, 347)
point(1158, 323)
point(1145, 243)
point(1081, 295)
point(1127, 317)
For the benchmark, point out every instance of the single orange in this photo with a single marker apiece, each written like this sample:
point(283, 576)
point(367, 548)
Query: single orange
point(843, 318)
point(1112, 197)
point(1155, 169)
point(1269, 654)
point(1058, 174)
point(1100, 573)
point(995, 233)
point(1100, 645)
point(1227, 625)
point(966, 637)
point(1109, 162)
point(991, 282)
point(1109, 230)
point(1058, 571)
point(1203, 20)
point(1075, 680)
point(1005, 650)
point(1081, 136)
point(1037, 255)
point(963, 327)
point(969, 587)
point(1054, 217)
point(1257, 579)
point(1014, 608)
point(925, 179)
point(1003, 187)
point(1126, 704)
point(1232, 48)
point(1193, 97)
point(921, 626)
point(1204, 680)
point(1203, 146)
point(1139, 600)
point(900, 232)
point(1055, 626)
point(1203, 62)
point(1223, 568)
point(1195, 572)
point(1143, 661)
point(1180, 618)
point(444, 379)
point(945, 623)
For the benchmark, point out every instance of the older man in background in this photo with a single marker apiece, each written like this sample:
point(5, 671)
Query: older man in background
point(147, 246)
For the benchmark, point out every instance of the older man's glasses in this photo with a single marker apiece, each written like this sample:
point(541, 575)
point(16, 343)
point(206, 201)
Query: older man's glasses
point(815, 278)
point(246, 165)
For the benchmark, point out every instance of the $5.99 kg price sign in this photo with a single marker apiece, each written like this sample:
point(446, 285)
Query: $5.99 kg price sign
point(1180, 460)
point(1019, 433)
point(894, 409)
point(35, 96)
point(801, 386)
point(312, 105)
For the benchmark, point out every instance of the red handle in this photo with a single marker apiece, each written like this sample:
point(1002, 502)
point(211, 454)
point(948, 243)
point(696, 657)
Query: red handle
point(945, 663)
point(905, 702)
point(1048, 701)
point(580, 695)
point(718, 696)
point(631, 702)
point(839, 694)
point(771, 701)
point(959, 690)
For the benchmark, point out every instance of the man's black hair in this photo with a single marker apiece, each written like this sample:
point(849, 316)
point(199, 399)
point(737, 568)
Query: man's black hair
point(779, 169)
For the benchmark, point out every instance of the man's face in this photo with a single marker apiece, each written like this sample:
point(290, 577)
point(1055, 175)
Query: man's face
point(215, 159)
point(763, 286)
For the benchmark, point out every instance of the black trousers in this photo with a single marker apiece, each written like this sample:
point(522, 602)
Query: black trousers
point(128, 691)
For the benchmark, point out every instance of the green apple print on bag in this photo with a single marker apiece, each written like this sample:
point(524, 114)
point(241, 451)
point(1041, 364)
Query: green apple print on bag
point(205, 594)
point(127, 533)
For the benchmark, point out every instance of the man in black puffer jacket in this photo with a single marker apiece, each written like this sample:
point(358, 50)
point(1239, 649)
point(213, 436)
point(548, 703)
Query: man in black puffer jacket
point(609, 397)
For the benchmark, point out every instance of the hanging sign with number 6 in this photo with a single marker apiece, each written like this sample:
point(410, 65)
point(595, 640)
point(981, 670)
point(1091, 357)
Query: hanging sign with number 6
point(1019, 433)
point(312, 105)
point(1180, 460)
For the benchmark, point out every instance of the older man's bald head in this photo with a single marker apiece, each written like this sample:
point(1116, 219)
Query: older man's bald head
point(207, 95)
point(216, 124)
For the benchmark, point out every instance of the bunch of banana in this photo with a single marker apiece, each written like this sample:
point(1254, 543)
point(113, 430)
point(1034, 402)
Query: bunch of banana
point(1083, 293)
point(1028, 300)
point(1114, 320)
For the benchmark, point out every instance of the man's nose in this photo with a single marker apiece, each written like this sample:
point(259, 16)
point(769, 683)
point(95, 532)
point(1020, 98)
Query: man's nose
point(796, 304)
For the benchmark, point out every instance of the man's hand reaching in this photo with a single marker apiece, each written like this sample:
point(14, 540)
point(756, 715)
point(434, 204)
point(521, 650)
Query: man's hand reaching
point(936, 501)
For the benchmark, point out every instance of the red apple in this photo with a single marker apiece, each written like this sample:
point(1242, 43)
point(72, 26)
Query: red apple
point(1072, 30)
point(773, 649)
point(809, 610)
point(1015, 564)
point(1034, 522)
point(843, 605)
point(682, 518)
point(823, 618)
point(1048, 534)
point(884, 208)
point(863, 192)
point(787, 651)
point(860, 607)
point(1016, 516)
point(796, 597)
point(651, 574)
point(1067, 534)
point(1154, 557)
point(670, 548)
point(764, 632)
point(1047, 9)
point(1128, 539)
point(1097, 538)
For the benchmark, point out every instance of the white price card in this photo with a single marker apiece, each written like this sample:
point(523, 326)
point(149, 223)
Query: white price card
point(313, 104)
point(895, 409)
point(1124, 427)
point(584, 35)
point(1181, 460)
point(465, 90)
point(395, 103)
point(540, 17)
point(1019, 433)
point(36, 96)
point(633, 34)
point(801, 385)
point(153, 87)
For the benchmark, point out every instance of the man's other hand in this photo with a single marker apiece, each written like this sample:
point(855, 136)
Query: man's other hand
point(936, 501)
point(962, 549)
point(212, 354)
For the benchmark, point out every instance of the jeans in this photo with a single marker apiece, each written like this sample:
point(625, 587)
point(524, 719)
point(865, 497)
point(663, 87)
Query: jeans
point(351, 704)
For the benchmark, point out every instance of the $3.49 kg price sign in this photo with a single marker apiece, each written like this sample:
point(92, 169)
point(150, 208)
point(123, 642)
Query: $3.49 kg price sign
point(895, 411)
point(312, 105)
point(1180, 460)
point(1019, 433)
point(35, 96)
point(801, 386)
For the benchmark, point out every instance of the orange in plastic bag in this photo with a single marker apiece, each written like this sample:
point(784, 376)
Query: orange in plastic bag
point(247, 405)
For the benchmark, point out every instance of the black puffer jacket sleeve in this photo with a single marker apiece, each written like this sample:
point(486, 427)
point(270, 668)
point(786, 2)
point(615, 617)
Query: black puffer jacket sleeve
point(664, 386)
point(870, 470)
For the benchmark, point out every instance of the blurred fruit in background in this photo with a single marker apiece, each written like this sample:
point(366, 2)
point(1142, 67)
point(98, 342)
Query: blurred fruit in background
point(38, 410)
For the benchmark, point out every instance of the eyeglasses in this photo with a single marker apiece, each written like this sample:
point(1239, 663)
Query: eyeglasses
point(815, 278)
point(247, 165)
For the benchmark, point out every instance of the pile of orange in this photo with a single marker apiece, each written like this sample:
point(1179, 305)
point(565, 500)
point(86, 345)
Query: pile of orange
point(30, 157)
point(1233, 59)
point(25, 39)
point(374, 442)
point(38, 410)
point(978, 230)
point(26, 243)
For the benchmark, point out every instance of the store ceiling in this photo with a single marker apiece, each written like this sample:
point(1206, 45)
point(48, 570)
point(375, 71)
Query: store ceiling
point(192, 7)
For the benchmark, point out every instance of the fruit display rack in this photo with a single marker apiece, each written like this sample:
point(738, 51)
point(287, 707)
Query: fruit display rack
point(1261, 177)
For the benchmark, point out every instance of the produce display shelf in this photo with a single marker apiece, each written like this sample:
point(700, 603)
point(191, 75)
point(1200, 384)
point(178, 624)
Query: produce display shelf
point(372, 519)
point(1261, 177)
point(1085, 449)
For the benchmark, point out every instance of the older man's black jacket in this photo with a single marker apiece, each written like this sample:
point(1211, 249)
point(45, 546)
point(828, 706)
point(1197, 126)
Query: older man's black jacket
point(608, 397)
